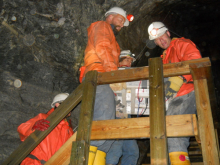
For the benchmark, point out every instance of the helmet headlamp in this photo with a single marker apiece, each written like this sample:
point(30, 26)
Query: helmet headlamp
point(130, 17)
point(154, 31)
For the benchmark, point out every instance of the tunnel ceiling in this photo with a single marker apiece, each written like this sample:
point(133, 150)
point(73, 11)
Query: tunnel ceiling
point(42, 44)
point(196, 20)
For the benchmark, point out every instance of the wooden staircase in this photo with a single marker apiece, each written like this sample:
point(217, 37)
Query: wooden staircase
point(75, 150)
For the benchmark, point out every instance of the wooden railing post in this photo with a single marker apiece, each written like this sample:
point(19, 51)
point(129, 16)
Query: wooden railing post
point(158, 138)
point(205, 119)
point(80, 148)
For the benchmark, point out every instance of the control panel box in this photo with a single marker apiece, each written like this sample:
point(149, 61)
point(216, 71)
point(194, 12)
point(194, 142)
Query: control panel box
point(135, 98)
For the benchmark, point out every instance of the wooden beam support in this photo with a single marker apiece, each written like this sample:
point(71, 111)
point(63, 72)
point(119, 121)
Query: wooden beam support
point(36, 137)
point(80, 150)
point(173, 69)
point(142, 73)
point(205, 120)
point(62, 156)
point(131, 128)
point(158, 138)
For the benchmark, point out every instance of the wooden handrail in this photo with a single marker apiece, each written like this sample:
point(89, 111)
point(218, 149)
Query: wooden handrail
point(37, 136)
point(173, 69)
point(142, 73)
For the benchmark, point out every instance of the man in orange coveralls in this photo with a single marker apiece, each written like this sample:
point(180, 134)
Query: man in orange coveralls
point(101, 54)
point(53, 141)
point(180, 88)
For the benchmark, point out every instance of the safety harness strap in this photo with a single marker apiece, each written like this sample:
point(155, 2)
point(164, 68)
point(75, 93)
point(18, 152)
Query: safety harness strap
point(34, 157)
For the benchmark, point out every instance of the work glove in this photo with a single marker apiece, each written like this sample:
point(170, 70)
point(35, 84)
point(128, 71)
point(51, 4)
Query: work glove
point(172, 86)
point(41, 125)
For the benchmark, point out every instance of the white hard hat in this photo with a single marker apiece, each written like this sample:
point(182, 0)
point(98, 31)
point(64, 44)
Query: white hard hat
point(156, 29)
point(128, 53)
point(120, 11)
point(59, 98)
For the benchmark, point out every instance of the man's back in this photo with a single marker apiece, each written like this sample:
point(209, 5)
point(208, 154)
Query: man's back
point(102, 49)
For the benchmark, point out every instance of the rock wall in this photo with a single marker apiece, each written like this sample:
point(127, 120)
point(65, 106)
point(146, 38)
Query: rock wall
point(41, 49)
point(42, 44)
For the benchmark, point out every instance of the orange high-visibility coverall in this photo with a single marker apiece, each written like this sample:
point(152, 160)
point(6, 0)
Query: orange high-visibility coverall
point(52, 142)
point(102, 51)
point(182, 49)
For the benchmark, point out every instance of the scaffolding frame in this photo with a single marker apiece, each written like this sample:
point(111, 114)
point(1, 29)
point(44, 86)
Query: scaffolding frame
point(76, 150)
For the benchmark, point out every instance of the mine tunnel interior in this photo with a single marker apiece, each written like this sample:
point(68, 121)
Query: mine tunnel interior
point(42, 45)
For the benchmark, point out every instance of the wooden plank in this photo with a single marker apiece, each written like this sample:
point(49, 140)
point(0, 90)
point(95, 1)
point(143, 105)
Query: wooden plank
point(142, 73)
point(205, 120)
point(81, 149)
point(177, 126)
point(75, 146)
point(36, 137)
point(134, 128)
point(199, 163)
point(197, 137)
point(217, 141)
point(62, 156)
point(204, 71)
point(207, 73)
point(158, 138)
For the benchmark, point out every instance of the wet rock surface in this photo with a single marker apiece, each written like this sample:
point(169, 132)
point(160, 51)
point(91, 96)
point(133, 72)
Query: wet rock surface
point(42, 44)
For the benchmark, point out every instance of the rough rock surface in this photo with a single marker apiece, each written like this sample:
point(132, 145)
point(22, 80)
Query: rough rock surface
point(42, 44)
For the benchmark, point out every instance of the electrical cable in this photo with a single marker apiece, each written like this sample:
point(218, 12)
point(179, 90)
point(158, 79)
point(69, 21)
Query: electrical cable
point(174, 33)
point(144, 111)
point(166, 16)
point(140, 53)
point(138, 108)
point(145, 107)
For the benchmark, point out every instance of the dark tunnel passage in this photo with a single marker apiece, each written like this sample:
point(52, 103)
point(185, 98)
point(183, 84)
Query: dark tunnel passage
point(194, 20)
point(42, 46)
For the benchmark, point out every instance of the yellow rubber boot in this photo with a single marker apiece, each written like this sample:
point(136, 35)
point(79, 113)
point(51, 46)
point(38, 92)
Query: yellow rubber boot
point(92, 154)
point(100, 158)
point(179, 158)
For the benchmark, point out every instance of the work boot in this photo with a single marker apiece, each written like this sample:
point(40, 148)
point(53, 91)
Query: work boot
point(99, 158)
point(92, 154)
point(179, 158)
